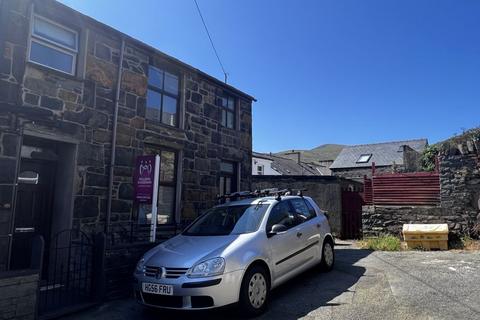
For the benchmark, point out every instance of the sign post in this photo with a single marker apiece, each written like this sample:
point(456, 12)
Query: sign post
point(147, 171)
point(153, 232)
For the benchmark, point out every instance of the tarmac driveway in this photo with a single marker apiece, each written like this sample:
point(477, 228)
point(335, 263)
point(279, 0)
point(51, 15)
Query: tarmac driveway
point(363, 285)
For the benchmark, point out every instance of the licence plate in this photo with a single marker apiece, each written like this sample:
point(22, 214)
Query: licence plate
point(155, 288)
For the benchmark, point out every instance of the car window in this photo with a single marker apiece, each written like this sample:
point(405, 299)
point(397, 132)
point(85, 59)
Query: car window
point(312, 211)
point(281, 214)
point(225, 220)
point(301, 209)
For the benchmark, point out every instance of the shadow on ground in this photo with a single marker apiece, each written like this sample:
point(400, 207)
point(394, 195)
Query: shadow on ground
point(296, 298)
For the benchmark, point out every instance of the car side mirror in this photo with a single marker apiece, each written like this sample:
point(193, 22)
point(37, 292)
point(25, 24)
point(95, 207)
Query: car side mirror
point(276, 229)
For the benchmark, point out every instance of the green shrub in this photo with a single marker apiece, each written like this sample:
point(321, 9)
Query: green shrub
point(428, 158)
point(382, 243)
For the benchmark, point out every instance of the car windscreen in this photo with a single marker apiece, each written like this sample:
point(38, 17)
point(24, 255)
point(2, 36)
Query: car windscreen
point(226, 220)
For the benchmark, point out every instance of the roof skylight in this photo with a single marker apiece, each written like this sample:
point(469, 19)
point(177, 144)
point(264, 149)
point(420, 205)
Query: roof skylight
point(364, 158)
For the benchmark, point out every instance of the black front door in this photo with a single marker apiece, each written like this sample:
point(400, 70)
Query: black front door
point(33, 210)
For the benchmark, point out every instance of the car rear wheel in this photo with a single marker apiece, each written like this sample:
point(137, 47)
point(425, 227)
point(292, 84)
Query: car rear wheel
point(328, 256)
point(254, 292)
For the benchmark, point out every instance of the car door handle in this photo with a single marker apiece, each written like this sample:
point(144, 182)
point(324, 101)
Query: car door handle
point(299, 234)
point(318, 225)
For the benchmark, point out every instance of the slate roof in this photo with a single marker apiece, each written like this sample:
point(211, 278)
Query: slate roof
point(261, 155)
point(289, 167)
point(383, 154)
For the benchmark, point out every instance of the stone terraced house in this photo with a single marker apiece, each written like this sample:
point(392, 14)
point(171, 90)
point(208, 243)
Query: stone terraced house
point(79, 101)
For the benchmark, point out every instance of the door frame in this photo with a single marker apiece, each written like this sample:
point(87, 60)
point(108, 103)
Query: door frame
point(14, 198)
point(58, 139)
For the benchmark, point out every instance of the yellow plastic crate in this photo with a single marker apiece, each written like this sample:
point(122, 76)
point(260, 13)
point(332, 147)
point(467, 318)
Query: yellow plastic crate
point(426, 236)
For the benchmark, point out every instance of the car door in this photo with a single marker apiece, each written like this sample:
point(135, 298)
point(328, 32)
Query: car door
point(285, 245)
point(308, 230)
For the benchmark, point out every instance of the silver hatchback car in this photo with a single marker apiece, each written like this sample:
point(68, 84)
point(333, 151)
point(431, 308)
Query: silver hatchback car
point(236, 253)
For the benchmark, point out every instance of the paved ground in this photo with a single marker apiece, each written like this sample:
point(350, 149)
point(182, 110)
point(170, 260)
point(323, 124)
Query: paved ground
point(363, 285)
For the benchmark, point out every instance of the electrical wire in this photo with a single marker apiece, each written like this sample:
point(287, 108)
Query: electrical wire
point(211, 41)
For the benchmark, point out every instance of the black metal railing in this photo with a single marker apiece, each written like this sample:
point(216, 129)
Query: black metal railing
point(68, 272)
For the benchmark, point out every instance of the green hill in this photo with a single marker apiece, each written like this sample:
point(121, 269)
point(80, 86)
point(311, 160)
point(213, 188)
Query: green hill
point(325, 152)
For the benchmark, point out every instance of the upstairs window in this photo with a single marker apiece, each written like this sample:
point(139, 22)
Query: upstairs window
point(227, 106)
point(364, 158)
point(53, 45)
point(260, 170)
point(162, 96)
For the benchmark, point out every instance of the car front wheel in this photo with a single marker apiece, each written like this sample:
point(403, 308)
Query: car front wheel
point(254, 292)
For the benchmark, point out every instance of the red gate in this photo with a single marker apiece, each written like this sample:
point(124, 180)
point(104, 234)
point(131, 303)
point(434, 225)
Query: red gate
point(351, 215)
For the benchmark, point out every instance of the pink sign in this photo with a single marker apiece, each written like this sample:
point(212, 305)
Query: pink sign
point(143, 178)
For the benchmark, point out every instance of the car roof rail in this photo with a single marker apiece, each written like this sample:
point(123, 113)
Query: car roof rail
point(268, 192)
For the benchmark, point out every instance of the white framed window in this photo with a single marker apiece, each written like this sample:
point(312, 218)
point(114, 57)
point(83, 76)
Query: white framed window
point(53, 45)
point(260, 170)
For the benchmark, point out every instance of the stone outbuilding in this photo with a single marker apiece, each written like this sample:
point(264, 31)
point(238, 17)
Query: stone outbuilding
point(355, 162)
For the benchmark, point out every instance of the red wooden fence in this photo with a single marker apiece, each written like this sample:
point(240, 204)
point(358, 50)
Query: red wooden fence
point(367, 191)
point(418, 188)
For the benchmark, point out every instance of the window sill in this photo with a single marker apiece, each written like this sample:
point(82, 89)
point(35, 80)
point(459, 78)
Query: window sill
point(50, 71)
point(227, 129)
point(163, 125)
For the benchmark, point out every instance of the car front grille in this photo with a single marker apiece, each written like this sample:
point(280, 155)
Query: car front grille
point(202, 301)
point(163, 301)
point(170, 273)
point(176, 301)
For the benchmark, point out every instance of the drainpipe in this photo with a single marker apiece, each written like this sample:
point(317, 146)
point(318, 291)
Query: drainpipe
point(114, 140)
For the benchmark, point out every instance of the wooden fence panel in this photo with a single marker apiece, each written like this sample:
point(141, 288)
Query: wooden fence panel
point(419, 188)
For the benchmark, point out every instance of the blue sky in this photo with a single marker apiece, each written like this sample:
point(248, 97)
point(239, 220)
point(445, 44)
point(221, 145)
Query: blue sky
point(326, 71)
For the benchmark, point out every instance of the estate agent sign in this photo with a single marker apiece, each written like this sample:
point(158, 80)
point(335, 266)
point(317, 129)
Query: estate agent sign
point(145, 181)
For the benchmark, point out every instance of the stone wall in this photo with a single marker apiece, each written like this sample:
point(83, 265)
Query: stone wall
point(12, 63)
point(325, 190)
point(18, 294)
point(460, 188)
point(378, 220)
point(120, 263)
point(358, 174)
point(459, 205)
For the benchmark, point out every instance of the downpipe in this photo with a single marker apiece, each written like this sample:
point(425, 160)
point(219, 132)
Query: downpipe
point(114, 141)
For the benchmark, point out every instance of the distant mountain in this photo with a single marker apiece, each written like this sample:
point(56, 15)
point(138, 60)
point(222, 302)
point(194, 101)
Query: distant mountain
point(325, 152)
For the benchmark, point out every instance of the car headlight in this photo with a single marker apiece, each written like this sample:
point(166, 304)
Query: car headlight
point(207, 268)
point(139, 267)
